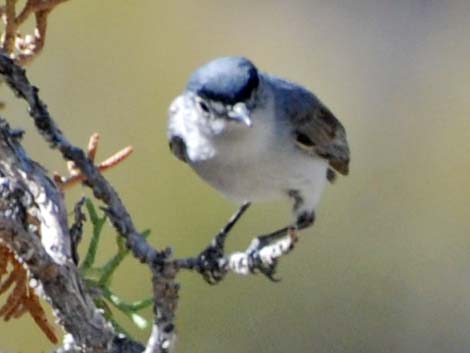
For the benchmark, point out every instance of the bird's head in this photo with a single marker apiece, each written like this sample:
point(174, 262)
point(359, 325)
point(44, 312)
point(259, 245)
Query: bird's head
point(216, 107)
point(220, 94)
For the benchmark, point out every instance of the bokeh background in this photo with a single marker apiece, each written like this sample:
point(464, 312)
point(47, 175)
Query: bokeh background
point(386, 267)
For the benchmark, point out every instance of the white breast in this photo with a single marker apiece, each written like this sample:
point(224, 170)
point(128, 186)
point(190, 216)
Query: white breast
point(261, 164)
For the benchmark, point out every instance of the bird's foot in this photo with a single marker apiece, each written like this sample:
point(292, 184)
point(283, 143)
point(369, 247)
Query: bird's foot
point(265, 251)
point(211, 263)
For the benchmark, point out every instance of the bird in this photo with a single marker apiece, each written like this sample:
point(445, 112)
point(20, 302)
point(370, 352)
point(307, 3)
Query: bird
point(256, 137)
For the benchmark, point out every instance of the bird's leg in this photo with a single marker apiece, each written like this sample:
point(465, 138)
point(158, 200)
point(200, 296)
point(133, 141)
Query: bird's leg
point(219, 239)
point(210, 258)
point(303, 221)
point(267, 265)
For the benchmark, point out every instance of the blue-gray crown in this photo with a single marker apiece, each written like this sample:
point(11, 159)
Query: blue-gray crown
point(228, 80)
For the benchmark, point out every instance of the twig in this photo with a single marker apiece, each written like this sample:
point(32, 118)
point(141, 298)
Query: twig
point(262, 258)
point(25, 48)
point(109, 163)
point(10, 28)
point(165, 292)
point(76, 230)
point(36, 6)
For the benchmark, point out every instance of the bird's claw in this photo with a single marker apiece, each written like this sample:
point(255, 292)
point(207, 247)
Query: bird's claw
point(267, 270)
point(264, 253)
point(211, 264)
point(261, 256)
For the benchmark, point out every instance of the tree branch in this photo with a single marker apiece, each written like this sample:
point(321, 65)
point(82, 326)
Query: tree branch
point(27, 193)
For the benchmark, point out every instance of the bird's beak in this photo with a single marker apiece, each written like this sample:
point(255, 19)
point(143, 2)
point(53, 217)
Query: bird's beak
point(241, 114)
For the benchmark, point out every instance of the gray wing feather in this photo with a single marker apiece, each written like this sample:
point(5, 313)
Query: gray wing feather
point(328, 137)
point(317, 130)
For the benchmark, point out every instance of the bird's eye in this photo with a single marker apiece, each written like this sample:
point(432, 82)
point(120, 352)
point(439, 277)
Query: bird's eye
point(303, 140)
point(204, 107)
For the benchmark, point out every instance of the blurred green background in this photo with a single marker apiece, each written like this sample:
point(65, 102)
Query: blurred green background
point(386, 267)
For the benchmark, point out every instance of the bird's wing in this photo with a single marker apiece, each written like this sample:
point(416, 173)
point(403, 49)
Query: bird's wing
point(321, 133)
point(315, 128)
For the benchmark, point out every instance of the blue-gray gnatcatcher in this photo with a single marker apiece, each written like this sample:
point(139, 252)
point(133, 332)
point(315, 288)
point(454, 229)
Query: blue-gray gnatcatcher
point(256, 137)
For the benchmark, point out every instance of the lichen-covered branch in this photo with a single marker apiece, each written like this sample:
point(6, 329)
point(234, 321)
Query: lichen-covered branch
point(30, 198)
point(256, 258)
point(165, 292)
